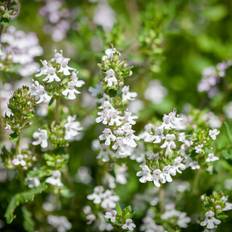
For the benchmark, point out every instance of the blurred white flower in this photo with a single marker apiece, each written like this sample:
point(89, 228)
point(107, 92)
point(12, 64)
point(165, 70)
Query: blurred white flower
point(155, 92)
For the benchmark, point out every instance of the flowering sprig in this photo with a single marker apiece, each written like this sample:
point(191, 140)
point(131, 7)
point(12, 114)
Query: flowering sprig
point(56, 79)
point(58, 19)
point(113, 215)
point(215, 207)
point(117, 139)
point(174, 145)
point(18, 52)
point(212, 76)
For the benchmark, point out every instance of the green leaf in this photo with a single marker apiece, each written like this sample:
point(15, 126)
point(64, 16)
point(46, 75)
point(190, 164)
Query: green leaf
point(28, 222)
point(119, 210)
point(21, 198)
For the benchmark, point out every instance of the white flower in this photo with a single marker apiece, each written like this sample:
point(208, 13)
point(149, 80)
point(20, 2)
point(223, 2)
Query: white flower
point(211, 76)
point(104, 15)
point(173, 121)
point(171, 212)
point(83, 175)
point(211, 158)
point(71, 92)
point(111, 215)
point(157, 177)
point(107, 136)
point(110, 78)
point(102, 224)
point(121, 174)
point(109, 200)
point(210, 222)
point(198, 148)
point(228, 110)
point(155, 92)
point(136, 106)
point(58, 19)
point(63, 62)
point(144, 174)
point(19, 160)
point(72, 128)
point(109, 54)
point(22, 48)
point(169, 143)
point(33, 182)
point(39, 93)
point(127, 95)
point(96, 196)
point(212, 120)
point(41, 138)
point(61, 223)
point(89, 214)
point(183, 220)
point(178, 165)
point(228, 205)
point(109, 115)
point(213, 133)
point(129, 117)
point(55, 179)
point(149, 225)
point(129, 225)
point(167, 171)
point(194, 165)
point(49, 72)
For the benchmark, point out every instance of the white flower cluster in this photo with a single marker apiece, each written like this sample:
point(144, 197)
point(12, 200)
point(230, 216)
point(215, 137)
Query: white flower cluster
point(149, 224)
point(57, 70)
point(72, 132)
point(61, 223)
point(55, 179)
point(72, 128)
point(210, 222)
point(58, 19)
point(106, 198)
point(161, 176)
point(211, 76)
point(23, 160)
point(220, 205)
point(118, 138)
point(172, 144)
point(39, 93)
point(181, 218)
point(90, 217)
point(21, 48)
point(119, 134)
point(104, 15)
point(129, 225)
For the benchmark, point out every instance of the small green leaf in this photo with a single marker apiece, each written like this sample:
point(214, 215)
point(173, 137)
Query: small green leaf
point(21, 198)
point(28, 222)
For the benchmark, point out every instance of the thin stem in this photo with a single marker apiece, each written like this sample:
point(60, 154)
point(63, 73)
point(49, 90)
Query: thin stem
point(17, 145)
point(196, 182)
point(161, 199)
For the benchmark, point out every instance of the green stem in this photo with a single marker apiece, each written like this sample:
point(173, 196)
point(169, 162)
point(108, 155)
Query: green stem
point(196, 182)
point(161, 199)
